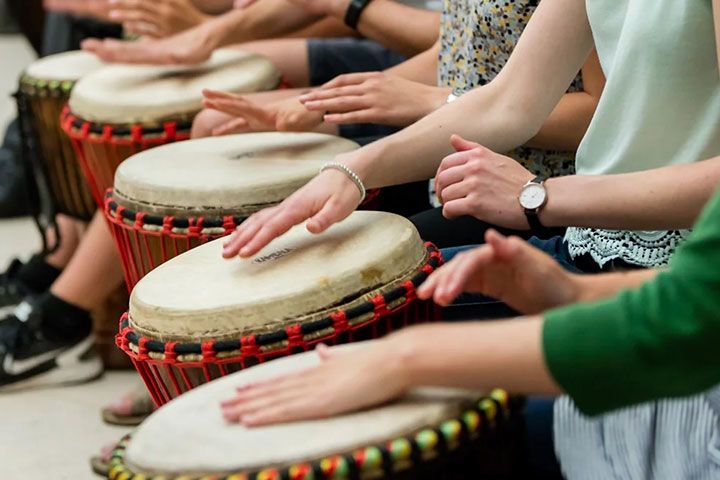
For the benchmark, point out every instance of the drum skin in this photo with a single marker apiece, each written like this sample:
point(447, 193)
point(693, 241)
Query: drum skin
point(46, 87)
point(443, 431)
point(121, 110)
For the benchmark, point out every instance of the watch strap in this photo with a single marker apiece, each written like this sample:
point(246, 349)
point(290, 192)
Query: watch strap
point(353, 12)
point(532, 213)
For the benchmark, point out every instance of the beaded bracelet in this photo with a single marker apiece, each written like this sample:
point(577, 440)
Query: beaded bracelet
point(350, 174)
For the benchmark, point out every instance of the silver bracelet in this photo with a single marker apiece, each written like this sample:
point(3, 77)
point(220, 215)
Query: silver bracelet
point(351, 175)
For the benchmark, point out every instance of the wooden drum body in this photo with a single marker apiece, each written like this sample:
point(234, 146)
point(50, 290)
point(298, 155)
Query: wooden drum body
point(45, 88)
point(121, 110)
point(198, 316)
point(430, 433)
point(173, 198)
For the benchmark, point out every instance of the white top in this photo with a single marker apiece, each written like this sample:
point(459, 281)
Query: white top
point(143, 93)
point(189, 436)
point(199, 295)
point(64, 66)
point(230, 175)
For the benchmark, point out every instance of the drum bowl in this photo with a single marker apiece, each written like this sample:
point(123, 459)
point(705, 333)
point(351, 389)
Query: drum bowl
point(170, 368)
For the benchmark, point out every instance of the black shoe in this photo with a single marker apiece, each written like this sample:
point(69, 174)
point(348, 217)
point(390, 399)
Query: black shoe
point(29, 359)
point(12, 291)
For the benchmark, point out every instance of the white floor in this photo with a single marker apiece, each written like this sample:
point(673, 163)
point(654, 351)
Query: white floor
point(46, 433)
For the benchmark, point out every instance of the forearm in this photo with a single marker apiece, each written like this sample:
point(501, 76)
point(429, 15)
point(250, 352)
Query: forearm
point(263, 19)
point(399, 27)
point(592, 288)
point(567, 124)
point(475, 355)
point(659, 199)
point(421, 68)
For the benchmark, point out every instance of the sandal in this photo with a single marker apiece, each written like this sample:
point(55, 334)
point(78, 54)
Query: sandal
point(130, 409)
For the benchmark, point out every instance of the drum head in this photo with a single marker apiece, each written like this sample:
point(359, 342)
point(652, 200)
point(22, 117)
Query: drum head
point(123, 94)
point(298, 277)
point(189, 436)
point(234, 175)
point(68, 66)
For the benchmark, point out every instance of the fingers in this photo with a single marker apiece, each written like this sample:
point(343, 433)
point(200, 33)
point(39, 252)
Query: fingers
point(318, 95)
point(244, 233)
point(350, 79)
point(236, 125)
point(370, 115)
point(143, 28)
point(462, 145)
point(447, 177)
point(110, 50)
point(341, 104)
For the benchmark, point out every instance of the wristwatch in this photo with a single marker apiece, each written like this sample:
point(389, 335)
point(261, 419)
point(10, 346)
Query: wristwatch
point(352, 14)
point(533, 197)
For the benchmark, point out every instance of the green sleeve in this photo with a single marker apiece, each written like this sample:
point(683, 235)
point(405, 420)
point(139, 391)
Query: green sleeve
point(659, 340)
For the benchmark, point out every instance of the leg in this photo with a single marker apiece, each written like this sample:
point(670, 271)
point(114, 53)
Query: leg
point(69, 240)
point(94, 271)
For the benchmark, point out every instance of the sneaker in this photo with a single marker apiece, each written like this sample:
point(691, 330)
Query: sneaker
point(28, 359)
point(12, 291)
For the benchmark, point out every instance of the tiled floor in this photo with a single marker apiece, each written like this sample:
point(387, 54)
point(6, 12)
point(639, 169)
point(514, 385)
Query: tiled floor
point(46, 433)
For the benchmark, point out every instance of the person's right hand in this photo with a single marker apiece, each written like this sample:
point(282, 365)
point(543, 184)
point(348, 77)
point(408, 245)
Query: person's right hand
point(156, 18)
point(189, 47)
point(99, 9)
point(506, 268)
point(326, 199)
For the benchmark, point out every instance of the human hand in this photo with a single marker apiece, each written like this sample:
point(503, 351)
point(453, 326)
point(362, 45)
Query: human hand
point(326, 199)
point(374, 97)
point(506, 268)
point(286, 115)
point(308, 395)
point(189, 47)
point(336, 8)
point(156, 18)
point(479, 182)
point(99, 9)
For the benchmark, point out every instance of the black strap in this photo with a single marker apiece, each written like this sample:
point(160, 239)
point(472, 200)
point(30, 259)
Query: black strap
point(353, 12)
point(532, 214)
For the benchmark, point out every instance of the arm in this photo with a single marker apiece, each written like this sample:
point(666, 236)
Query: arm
point(568, 122)
point(421, 68)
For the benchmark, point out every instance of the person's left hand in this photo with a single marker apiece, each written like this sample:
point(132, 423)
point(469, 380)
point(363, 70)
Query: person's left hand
point(308, 395)
point(99, 9)
point(288, 115)
point(156, 18)
point(479, 182)
point(374, 97)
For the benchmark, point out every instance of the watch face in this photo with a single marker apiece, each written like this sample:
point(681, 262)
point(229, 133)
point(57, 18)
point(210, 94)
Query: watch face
point(532, 196)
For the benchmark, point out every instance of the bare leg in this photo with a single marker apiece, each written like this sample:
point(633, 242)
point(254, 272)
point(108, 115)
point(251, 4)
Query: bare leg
point(94, 271)
point(70, 238)
point(290, 55)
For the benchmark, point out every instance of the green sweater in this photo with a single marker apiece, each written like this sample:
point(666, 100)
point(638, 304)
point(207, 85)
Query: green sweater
point(660, 340)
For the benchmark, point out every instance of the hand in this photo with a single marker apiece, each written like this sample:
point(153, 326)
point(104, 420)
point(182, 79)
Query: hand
point(508, 269)
point(240, 4)
point(479, 182)
point(99, 9)
point(189, 47)
point(374, 97)
point(287, 115)
point(326, 199)
point(309, 395)
point(156, 18)
point(336, 8)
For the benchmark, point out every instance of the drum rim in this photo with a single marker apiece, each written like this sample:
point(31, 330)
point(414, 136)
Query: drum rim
point(171, 224)
point(140, 347)
point(80, 129)
point(425, 444)
point(29, 84)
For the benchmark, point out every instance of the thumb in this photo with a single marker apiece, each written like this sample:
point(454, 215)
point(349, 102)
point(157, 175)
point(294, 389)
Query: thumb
point(461, 145)
point(327, 215)
point(503, 247)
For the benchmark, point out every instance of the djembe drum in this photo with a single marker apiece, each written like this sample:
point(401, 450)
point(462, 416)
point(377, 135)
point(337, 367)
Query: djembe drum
point(172, 198)
point(198, 316)
point(45, 88)
point(429, 433)
point(123, 109)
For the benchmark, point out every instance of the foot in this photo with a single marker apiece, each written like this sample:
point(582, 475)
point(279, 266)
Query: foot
point(12, 291)
point(130, 409)
point(29, 359)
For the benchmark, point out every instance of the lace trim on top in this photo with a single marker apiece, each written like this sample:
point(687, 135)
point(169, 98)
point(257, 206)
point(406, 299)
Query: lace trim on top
point(644, 248)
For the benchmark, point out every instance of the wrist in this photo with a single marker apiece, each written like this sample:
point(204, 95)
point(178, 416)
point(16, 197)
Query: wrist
point(221, 31)
point(435, 98)
point(337, 8)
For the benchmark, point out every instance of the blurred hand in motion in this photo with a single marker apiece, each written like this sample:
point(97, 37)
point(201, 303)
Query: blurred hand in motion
point(335, 8)
point(479, 182)
point(506, 268)
point(374, 97)
point(287, 115)
point(156, 18)
point(309, 395)
point(188, 47)
point(98, 9)
point(326, 199)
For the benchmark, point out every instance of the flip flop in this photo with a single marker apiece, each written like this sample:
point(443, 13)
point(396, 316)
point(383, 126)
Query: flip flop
point(130, 409)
